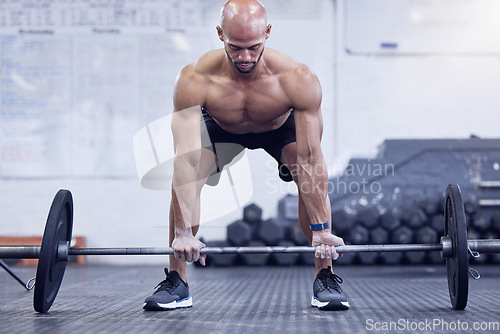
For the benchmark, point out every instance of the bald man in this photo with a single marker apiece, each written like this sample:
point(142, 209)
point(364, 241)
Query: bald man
point(247, 96)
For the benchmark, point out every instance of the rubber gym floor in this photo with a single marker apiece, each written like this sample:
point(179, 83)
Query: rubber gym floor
point(395, 299)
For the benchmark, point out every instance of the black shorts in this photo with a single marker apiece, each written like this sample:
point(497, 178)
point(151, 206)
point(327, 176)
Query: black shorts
point(271, 141)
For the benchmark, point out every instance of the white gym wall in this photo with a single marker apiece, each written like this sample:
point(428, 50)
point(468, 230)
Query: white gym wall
point(72, 100)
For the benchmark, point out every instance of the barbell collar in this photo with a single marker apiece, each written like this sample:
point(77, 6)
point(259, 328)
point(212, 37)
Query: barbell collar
point(63, 251)
point(447, 250)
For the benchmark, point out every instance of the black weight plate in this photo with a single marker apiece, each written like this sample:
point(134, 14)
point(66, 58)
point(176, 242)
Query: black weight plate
point(457, 265)
point(50, 271)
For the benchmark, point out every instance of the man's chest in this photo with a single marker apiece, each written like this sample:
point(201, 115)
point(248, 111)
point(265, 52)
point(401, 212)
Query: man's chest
point(260, 102)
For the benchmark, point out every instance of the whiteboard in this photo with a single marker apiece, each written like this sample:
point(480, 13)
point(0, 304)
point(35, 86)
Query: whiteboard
point(79, 78)
point(462, 27)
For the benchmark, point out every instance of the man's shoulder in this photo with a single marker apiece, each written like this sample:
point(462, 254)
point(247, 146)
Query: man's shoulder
point(192, 82)
point(283, 64)
point(205, 65)
point(297, 80)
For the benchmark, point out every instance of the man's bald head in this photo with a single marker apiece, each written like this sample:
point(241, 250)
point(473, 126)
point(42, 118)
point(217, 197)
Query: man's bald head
point(246, 14)
point(244, 30)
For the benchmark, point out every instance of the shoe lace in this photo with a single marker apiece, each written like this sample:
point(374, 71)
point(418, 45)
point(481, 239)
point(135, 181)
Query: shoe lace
point(166, 285)
point(330, 281)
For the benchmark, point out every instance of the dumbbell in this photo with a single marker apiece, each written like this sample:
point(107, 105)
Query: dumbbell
point(402, 235)
point(341, 222)
point(389, 221)
point(252, 214)
point(288, 209)
point(367, 217)
point(415, 218)
point(359, 235)
point(437, 223)
point(430, 207)
point(295, 234)
point(271, 232)
point(379, 235)
point(470, 208)
point(426, 235)
point(481, 221)
point(239, 233)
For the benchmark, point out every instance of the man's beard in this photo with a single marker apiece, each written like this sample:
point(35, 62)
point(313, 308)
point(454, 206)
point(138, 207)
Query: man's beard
point(250, 69)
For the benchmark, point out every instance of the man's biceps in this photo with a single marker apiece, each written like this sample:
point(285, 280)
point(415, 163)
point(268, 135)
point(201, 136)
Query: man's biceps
point(307, 120)
point(186, 145)
point(190, 114)
point(186, 130)
point(184, 126)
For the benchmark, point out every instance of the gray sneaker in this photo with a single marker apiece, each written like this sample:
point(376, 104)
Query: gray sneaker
point(327, 294)
point(172, 293)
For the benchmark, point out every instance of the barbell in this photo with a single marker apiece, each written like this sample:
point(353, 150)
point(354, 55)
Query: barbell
point(54, 251)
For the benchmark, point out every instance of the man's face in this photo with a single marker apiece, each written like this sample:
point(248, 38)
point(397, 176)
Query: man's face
point(244, 48)
point(244, 59)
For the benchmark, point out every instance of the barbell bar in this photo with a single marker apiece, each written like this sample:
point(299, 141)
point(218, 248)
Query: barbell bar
point(54, 252)
point(63, 250)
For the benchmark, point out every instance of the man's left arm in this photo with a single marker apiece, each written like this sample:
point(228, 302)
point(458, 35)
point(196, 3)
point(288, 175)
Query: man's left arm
point(312, 173)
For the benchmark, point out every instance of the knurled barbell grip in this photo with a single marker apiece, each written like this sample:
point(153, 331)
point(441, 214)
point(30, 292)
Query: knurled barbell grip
point(255, 250)
point(482, 246)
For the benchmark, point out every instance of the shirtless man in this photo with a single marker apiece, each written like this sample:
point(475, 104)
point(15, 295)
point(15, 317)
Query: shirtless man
point(255, 97)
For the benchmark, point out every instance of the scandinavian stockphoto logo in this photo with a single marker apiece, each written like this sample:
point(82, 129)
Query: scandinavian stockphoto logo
point(154, 158)
point(362, 178)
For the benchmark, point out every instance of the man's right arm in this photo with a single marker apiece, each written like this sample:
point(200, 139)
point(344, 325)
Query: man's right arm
point(187, 146)
point(188, 99)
